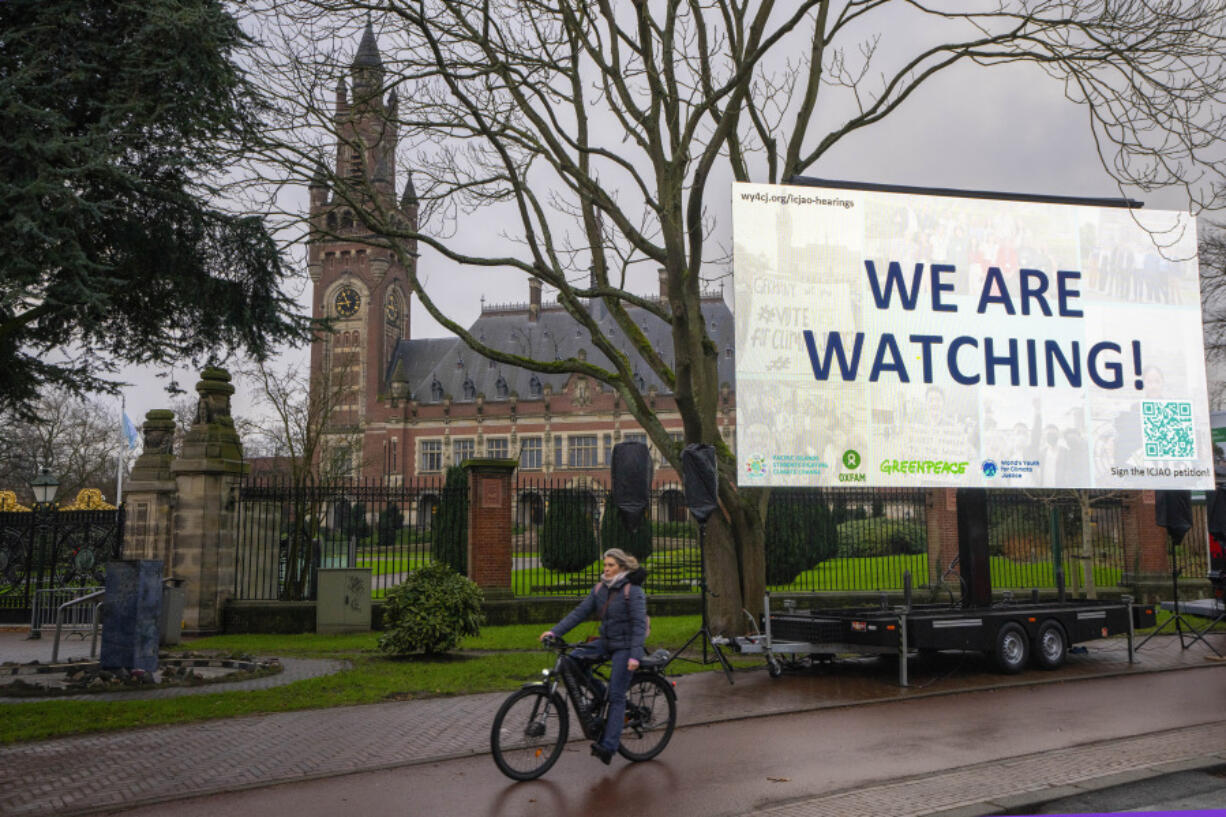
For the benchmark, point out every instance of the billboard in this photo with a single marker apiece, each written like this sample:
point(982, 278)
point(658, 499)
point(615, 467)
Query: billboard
point(902, 339)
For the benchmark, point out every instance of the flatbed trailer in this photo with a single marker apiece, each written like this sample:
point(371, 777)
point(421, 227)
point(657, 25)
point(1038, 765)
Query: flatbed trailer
point(1014, 633)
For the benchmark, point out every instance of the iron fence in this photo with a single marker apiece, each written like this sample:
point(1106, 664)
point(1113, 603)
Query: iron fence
point(47, 549)
point(817, 540)
point(562, 526)
point(288, 531)
point(845, 539)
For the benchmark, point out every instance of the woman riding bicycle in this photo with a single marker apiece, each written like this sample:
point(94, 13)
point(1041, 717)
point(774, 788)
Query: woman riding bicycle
point(622, 606)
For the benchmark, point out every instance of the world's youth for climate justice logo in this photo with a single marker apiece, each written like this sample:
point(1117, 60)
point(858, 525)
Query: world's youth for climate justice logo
point(989, 468)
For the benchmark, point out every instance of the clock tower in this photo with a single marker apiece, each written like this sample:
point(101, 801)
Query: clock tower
point(362, 288)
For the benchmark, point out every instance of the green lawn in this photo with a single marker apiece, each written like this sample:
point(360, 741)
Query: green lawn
point(886, 572)
point(500, 658)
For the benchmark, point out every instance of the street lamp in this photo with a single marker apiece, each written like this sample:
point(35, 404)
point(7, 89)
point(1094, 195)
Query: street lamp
point(44, 487)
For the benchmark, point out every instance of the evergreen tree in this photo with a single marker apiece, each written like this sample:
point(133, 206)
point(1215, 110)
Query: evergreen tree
point(568, 541)
point(451, 522)
point(117, 115)
point(391, 520)
point(800, 533)
point(613, 533)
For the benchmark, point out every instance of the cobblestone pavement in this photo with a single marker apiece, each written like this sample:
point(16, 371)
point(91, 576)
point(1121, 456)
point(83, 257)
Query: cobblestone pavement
point(77, 775)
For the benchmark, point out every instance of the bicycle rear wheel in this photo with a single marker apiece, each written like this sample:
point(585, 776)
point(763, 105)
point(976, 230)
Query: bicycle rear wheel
point(529, 732)
point(651, 716)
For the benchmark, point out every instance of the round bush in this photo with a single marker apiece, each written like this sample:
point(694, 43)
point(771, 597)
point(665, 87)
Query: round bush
point(881, 537)
point(430, 612)
point(613, 533)
point(568, 538)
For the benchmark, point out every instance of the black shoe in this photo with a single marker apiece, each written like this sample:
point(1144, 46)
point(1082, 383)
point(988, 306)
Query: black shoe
point(606, 757)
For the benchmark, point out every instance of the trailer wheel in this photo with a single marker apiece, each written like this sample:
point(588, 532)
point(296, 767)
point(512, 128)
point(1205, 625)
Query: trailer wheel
point(1012, 648)
point(773, 667)
point(1050, 645)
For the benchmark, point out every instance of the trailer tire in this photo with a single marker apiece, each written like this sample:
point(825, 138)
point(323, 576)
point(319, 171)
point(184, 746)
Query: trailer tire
point(1050, 645)
point(1012, 648)
point(774, 668)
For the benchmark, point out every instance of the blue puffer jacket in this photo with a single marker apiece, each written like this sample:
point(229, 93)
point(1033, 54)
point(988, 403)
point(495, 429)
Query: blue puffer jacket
point(624, 626)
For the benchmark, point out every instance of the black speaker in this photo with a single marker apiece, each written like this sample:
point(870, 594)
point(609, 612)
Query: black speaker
point(631, 467)
point(701, 480)
point(1173, 511)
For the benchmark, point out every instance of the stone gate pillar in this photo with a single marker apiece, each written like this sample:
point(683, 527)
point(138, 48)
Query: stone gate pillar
point(150, 496)
point(207, 474)
point(490, 499)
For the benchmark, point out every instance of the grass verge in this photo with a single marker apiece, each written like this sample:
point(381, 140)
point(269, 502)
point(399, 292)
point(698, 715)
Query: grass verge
point(500, 658)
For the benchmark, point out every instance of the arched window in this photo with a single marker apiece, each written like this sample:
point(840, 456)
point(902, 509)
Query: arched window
point(357, 338)
point(534, 386)
point(436, 391)
point(500, 387)
point(470, 390)
point(345, 339)
point(346, 220)
point(331, 221)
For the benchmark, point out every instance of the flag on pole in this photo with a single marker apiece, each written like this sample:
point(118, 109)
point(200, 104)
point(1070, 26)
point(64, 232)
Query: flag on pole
point(129, 431)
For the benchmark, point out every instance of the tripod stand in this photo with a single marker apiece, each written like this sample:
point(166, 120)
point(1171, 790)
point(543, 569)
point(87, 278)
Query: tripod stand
point(1177, 618)
point(705, 631)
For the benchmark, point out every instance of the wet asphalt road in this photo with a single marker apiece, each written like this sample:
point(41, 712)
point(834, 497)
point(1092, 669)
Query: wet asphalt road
point(739, 767)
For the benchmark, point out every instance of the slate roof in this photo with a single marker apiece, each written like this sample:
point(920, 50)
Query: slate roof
point(451, 364)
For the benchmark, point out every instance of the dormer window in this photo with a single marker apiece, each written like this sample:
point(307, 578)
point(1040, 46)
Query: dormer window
point(639, 382)
point(436, 391)
point(470, 390)
point(534, 386)
point(500, 387)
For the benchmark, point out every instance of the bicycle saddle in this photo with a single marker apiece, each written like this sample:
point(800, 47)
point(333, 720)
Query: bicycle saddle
point(656, 660)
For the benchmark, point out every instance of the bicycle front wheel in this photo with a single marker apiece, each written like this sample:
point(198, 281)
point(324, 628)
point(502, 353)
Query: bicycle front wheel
point(651, 716)
point(529, 732)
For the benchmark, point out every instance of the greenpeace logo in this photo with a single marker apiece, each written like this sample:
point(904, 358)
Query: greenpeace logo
point(922, 467)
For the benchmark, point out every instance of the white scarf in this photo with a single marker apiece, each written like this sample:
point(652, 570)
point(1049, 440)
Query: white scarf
point(614, 580)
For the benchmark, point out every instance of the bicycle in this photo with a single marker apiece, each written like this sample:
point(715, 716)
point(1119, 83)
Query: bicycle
point(532, 725)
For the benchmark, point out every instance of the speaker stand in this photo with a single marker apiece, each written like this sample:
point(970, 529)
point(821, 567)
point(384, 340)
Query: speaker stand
point(1178, 618)
point(704, 632)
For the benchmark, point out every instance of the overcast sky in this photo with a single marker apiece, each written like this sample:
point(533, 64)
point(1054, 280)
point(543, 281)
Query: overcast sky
point(1005, 128)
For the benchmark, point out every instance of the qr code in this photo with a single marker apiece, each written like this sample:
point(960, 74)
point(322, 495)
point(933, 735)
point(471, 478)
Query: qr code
point(1167, 427)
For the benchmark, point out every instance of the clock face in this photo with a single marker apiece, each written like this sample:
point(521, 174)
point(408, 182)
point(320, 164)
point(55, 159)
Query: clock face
point(393, 311)
point(347, 302)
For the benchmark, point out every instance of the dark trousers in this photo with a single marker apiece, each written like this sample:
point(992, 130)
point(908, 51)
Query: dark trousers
point(619, 682)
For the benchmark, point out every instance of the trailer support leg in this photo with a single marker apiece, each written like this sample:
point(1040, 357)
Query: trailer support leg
point(1131, 651)
point(902, 649)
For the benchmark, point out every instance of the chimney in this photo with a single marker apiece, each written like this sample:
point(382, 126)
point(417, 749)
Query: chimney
point(534, 299)
point(663, 284)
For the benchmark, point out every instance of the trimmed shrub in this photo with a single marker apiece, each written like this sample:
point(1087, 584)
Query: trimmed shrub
point(430, 612)
point(451, 522)
point(799, 533)
point(568, 539)
point(391, 520)
point(613, 533)
point(881, 537)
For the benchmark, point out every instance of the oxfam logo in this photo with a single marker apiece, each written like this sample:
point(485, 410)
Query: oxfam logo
point(851, 459)
point(989, 468)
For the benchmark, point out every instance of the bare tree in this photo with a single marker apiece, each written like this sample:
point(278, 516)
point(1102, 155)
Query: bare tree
point(604, 134)
point(78, 440)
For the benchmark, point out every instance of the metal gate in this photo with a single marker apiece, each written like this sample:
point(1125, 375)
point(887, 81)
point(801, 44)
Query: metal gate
point(41, 550)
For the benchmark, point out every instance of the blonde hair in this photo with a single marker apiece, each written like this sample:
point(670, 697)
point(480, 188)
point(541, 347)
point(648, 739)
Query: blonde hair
point(623, 558)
